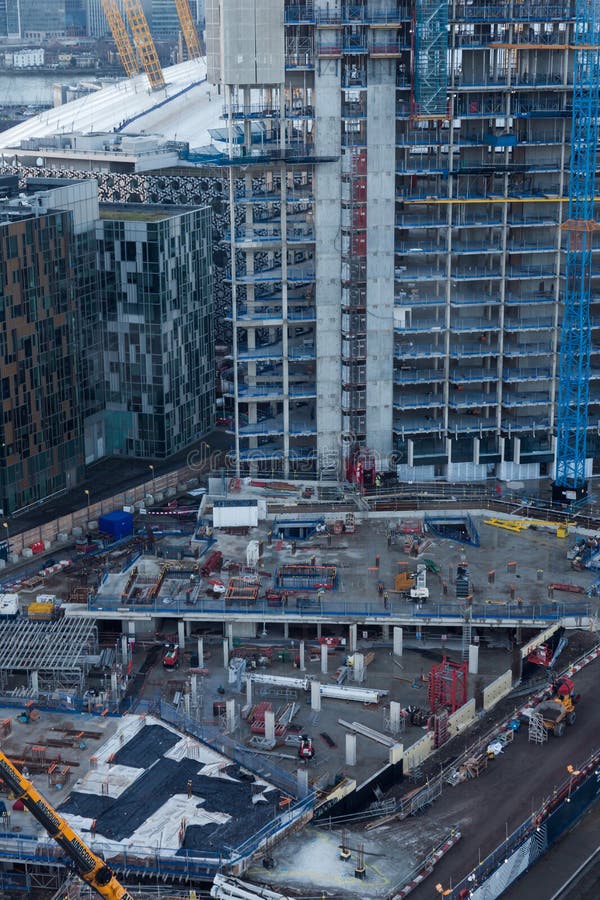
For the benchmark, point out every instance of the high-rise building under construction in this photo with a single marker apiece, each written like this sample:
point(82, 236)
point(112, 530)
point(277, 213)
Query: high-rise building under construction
point(398, 177)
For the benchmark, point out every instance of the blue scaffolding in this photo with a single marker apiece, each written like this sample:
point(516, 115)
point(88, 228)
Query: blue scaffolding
point(575, 339)
point(431, 58)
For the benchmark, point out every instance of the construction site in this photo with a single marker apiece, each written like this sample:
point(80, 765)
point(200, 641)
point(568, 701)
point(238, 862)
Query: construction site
point(336, 663)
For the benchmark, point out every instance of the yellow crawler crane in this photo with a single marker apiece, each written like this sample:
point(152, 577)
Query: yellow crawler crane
point(90, 867)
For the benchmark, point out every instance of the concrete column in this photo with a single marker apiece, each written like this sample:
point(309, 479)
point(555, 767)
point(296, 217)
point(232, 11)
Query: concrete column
point(286, 629)
point(270, 725)
point(358, 670)
point(114, 689)
point(352, 637)
point(318, 631)
point(200, 653)
point(324, 652)
point(394, 717)
point(194, 690)
point(125, 649)
point(35, 685)
point(230, 635)
point(188, 628)
point(248, 690)
point(315, 696)
point(473, 659)
point(302, 662)
point(225, 653)
point(350, 749)
point(187, 702)
point(302, 780)
point(398, 636)
point(230, 714)
point(181, 634)
point(385, 632)
point(130, 628)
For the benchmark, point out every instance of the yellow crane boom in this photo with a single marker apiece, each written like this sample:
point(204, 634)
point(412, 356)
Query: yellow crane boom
point(144, 43)
point(188, 29)
point(120, 37)
point(90, 867)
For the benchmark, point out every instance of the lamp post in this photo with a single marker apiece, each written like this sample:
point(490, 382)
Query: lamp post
point(87, 494)
point(151, 467)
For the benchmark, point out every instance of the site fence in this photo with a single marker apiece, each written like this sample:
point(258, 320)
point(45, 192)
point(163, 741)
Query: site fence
point(169, 483)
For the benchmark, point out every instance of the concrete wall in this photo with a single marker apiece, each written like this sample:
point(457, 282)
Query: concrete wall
point(328, 260)
point(539, 639)
point(497, 690)
point(459, 720)
point(418, 752)
point(381, 161)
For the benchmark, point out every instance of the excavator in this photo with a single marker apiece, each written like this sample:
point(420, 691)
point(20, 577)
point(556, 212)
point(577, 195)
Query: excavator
point(89, 867)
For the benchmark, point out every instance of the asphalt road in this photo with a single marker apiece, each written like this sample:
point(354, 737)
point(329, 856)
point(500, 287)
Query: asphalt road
point(113, 476)
point(486, 809)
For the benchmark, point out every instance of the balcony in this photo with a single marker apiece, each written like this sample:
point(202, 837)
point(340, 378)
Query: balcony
point(423, 326)
point(465, 325)
point(419, 401)
point(418, 376)
point(473, 349)
point(525, 324)
point(474, 273)
point(471, 400)
point(415, 300)
point(535, 398)
point(410, 350)
point(540, 348)
point(469, 375)
point(527, 373)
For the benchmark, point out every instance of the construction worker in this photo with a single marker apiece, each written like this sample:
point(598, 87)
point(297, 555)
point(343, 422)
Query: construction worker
point(385, 599)
point(378, 480)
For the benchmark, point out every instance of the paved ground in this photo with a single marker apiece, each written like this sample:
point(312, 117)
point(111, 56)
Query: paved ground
point(512, 787)
point(112, 476)
point(483, 810)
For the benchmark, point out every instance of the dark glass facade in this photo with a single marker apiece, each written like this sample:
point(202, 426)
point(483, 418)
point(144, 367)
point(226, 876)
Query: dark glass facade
point(41, 440)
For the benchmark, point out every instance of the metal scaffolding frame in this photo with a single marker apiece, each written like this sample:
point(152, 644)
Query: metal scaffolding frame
point(58, 651)
point(431, 58)
point(144, 43)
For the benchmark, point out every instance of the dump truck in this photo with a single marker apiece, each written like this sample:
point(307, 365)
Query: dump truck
point(559, 710)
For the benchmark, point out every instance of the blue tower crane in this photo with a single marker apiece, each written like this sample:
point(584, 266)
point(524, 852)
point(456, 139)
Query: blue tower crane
point(575, 337)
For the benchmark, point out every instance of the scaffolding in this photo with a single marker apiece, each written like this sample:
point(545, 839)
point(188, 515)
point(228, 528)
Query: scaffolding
point(61, 652)
point(447, 686)
point(431, 59)
point(144, 43)
point(576, 335)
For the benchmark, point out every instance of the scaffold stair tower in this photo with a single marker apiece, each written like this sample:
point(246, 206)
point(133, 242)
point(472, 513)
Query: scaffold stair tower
point(431, 59)
point(580, 226)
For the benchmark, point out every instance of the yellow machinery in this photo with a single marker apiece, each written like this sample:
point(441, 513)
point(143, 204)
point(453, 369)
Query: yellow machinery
point(188, 29)
point(560, 710)
point(90, 867)
point(120, 37)
point(144, 43)
point(518, 525)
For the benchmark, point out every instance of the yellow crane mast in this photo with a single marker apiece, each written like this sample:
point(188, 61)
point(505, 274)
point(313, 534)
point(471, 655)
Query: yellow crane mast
point(90, 867)
point(120, 37)
point(144, 43)
point(188, 29)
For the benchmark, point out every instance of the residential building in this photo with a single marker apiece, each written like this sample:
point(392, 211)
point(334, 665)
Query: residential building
point(26, 58)
point(41, 434)
point(398, 175)
point(155, 283)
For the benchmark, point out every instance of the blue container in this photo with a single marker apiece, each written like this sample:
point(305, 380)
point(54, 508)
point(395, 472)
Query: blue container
point(119, 524)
